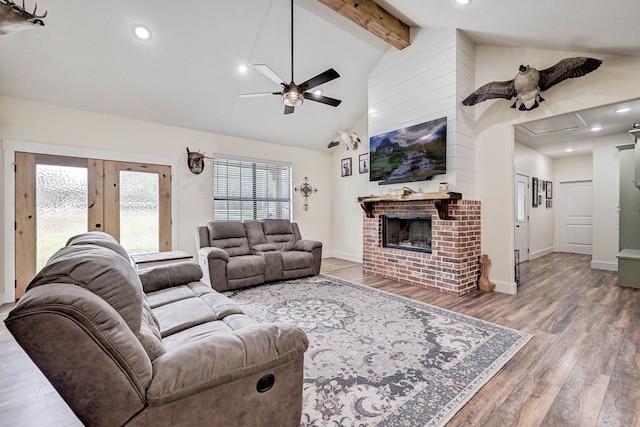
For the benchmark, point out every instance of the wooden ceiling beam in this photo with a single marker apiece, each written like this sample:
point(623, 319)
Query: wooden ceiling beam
point(374, 19)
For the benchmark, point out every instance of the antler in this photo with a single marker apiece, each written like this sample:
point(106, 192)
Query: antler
point(22, 9)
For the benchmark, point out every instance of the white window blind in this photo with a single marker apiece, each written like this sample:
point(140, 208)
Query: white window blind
point(250, 189)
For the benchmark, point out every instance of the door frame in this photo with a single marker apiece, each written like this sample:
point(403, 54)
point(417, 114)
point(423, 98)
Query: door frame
point(527, 177)
point(9, 147)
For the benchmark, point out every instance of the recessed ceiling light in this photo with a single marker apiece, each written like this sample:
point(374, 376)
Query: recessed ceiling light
point(317, 92)
point(623, 110)
point(141, 32)
point(568, 150)
point(242, 69)
point(463, 1)
point(595, 128)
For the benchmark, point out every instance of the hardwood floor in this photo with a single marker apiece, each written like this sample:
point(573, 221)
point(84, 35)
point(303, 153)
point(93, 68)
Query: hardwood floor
point(581, 368)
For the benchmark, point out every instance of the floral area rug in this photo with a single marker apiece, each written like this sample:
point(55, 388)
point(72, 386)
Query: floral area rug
point(376, 359)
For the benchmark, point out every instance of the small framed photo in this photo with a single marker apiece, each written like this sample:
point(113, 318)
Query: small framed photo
point(534, 191)
point(363, 159)
point(549, 190)
point(345, 167)
point(549, 203)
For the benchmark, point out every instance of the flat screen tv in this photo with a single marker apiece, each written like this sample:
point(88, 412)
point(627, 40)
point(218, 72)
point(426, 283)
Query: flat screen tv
point(414, 153)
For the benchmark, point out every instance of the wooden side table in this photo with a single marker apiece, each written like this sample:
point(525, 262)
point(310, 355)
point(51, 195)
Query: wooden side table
point(159, 258)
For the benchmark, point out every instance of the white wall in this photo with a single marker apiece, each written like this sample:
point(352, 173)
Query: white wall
point(616, 80)
point(39, 123)
point(541, 219)
point(346, 213)
point(575, 168)
point(606, 200)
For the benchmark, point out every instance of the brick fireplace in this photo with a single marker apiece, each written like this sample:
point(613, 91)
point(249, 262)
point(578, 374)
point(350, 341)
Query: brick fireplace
point(452, 267)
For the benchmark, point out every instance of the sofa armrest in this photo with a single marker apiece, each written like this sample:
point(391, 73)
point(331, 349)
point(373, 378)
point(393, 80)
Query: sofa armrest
point(214, 267)
point(207, 363)
point(170, 275)
point(306, 245)
point(264, 247)
point(211, 252)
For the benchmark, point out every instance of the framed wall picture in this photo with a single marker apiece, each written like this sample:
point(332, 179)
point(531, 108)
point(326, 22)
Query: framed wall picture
point(549, 190)
point(534, 192)
point(363, 160)
point(345, 167)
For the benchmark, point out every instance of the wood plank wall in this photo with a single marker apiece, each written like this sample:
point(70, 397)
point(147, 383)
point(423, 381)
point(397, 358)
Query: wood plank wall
point(423, 82)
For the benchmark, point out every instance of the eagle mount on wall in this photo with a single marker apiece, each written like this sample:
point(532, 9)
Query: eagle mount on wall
point(293, 95)
point(15, 18)
point(529, 82)
point(350, 140)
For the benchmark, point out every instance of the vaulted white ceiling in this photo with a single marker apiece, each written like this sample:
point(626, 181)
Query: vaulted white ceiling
point(186, 75)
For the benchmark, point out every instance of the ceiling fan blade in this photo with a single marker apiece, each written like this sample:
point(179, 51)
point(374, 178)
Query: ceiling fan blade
point(323, 99)
point(254, 95)
point(321, 78)
point(264, 69)
point(288, 109)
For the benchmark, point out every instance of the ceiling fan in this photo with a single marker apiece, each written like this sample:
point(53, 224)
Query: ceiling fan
point(293, 95)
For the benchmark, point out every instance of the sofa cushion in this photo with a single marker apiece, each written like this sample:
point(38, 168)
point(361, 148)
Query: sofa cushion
point(230, 236)
point(183, 307)
point(167, 276)
point(100, 270)
point(295, 260)
point(245, 266)
point(99, 238)
point(255, 233)
point(279, 232)
point(149, 334)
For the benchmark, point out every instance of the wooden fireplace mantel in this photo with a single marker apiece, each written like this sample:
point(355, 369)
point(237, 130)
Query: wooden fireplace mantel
point(442, 200)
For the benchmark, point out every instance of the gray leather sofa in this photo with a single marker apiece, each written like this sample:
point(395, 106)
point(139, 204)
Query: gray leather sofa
point(237, 254)
point(154, 347)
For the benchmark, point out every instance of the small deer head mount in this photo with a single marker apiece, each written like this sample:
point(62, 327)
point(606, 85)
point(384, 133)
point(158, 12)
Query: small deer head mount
point(14, 18)
point(195, 160)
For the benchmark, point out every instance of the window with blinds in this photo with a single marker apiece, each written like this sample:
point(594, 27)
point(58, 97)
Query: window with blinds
point(248, 189)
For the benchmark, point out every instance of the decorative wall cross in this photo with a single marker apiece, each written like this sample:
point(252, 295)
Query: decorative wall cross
point(306, 190)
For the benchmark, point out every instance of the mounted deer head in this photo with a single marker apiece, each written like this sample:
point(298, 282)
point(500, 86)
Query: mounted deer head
point(15, 18)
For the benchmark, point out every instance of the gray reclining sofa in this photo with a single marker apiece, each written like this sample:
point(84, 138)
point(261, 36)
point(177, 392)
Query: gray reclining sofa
point(154, 347)
point(237, 254)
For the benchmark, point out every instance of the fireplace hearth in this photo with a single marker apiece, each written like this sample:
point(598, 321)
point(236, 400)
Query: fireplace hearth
point(409, 233)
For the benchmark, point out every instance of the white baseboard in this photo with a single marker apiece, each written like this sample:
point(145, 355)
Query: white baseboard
point(7, 297)
point(346, 257)
point(602, 265)
point(506, 288)
point(538, 254)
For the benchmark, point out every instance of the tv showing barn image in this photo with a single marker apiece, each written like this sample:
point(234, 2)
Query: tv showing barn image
point(415, 153)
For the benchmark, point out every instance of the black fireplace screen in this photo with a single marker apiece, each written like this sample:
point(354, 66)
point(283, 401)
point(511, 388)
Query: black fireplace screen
point(412, 233)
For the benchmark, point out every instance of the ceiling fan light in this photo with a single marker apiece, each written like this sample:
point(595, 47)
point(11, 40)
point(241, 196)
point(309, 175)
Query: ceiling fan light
point(292, 98)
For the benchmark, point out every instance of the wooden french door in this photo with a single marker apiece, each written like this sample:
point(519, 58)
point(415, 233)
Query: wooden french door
point(58, 197)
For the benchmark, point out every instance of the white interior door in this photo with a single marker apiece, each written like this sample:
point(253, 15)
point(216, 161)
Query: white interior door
point(576, 217)
point(522, 217)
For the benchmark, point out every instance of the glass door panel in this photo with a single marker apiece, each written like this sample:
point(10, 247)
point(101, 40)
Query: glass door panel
point(61, 207)
point(139, 211)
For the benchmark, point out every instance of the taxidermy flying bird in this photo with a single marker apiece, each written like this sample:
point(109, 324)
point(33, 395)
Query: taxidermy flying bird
point(529, 82)
point(14, 17)
point(351, 140)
